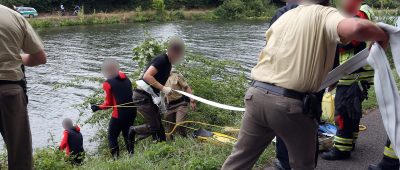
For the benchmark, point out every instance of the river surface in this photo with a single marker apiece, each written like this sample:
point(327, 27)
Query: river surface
point(79, 52)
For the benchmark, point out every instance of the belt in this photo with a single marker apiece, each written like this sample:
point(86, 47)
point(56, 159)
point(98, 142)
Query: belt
point(143, 92)
point(278, 90)
point(180, 100)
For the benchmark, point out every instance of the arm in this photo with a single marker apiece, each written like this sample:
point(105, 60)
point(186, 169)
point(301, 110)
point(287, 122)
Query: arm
point(35, 59)
point(108, 98)
point(361, 30)
point(148, 77)
point(64, 141)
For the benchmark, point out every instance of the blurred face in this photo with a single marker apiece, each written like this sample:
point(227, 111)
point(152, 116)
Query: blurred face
point(176, 54)
point(350, 7)
point(109, 71)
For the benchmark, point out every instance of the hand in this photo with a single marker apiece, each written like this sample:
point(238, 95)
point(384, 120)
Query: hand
point(385, 43)
point(193, 105)
point(95, 108)
point(166, 90)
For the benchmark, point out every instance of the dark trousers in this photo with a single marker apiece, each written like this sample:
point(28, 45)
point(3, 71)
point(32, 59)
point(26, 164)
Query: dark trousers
point(348, 113)
point(14, 127)
point(116, 126)
point(152, 117)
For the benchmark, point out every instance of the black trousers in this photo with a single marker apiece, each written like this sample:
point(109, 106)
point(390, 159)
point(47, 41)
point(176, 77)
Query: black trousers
point(348, 113)
point(281, 151)
point(116, 126)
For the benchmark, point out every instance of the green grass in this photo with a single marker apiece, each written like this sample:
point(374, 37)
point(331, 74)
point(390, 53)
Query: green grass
point(182, 153)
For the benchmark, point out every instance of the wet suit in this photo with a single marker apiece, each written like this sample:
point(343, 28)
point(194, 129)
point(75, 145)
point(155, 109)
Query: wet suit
point(72, 143)
point(118, 91)
point(281, 150)
point(151, 113)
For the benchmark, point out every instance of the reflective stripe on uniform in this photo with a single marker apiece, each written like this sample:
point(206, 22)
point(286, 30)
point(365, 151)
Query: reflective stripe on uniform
point(389, 152)
point(355, 137)
point(367, 75)
point(343, 140)
point(342, 147)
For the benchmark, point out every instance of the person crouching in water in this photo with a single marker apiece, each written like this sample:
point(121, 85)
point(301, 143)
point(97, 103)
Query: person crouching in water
point(118, 97)
point(177, 103)
point(72, 142)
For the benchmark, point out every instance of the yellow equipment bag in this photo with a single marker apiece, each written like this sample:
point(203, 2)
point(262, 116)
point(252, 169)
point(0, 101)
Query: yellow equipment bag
point(214, 137)
point(328, 107)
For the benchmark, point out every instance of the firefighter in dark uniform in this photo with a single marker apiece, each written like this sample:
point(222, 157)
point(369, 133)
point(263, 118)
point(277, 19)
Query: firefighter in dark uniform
point(118, 97)
point(390, 161)
point(351, 91)
point(72, 142)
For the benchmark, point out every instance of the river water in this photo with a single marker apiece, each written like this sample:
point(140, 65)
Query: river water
point(79, 52)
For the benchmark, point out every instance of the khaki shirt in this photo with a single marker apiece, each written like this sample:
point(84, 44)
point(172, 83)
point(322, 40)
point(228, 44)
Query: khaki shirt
point(300, 48)
point(177, 82)
point(16, 34)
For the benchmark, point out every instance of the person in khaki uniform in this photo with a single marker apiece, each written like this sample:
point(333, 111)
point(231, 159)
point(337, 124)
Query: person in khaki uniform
point(177, 104)
point(299, 53)
point(16, 35)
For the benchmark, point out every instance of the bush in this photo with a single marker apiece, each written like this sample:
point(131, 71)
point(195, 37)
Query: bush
point(49, 159)
point(231, 9)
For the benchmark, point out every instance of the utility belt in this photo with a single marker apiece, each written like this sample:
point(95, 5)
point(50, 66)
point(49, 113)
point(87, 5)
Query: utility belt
point(311, 105)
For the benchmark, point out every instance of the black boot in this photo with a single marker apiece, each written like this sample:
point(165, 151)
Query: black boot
point(280, 166)
point(131, 140)
point(115, 153)
point(386, 164)
point(335, 154)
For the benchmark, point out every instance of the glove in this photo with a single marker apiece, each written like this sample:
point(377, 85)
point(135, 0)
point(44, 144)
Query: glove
point(95, 108)
point(167, 90)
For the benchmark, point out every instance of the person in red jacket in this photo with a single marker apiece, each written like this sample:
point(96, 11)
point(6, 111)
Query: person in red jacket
point(118, 97)
point(72, 142)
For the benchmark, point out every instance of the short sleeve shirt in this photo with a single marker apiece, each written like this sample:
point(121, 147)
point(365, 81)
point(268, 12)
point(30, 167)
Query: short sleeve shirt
point(163, 66)
point(176, 81)
point(300, 48)
point(16, 35)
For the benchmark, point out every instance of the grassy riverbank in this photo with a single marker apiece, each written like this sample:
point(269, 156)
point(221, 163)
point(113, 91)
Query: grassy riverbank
point(120, 17)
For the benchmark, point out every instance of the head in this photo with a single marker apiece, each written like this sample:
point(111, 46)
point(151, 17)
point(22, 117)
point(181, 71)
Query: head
point(176, 49)
point(67, 123)
point(350, 7)
point(110, 68)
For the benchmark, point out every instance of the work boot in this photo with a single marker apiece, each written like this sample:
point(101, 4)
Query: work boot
point(386, 164)
point(335, 154)
point(131, 140)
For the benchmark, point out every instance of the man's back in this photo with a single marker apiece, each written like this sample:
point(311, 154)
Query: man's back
point(300, 48)
point(15, 34)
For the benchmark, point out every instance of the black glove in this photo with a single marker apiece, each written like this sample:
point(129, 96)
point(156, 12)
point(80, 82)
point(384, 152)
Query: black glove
point(95, 108)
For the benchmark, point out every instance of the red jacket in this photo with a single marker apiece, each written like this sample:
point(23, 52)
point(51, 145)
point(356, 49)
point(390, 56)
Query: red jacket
point(64, 145)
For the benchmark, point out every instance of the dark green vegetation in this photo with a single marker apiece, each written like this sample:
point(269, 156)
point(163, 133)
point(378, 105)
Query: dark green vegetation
point(162, 10)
